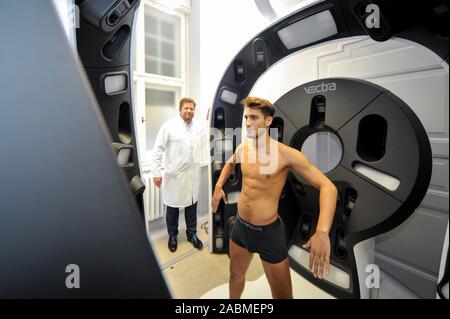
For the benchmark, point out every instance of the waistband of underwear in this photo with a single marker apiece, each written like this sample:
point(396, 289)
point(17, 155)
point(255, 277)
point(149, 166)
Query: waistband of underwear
point(259, 228)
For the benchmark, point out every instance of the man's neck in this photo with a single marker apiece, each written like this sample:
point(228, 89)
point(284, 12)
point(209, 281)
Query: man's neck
point(185, 122)
point(264, 150)
point(261, 141)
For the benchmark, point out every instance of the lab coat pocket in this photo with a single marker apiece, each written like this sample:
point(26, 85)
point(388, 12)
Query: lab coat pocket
point(177, 154)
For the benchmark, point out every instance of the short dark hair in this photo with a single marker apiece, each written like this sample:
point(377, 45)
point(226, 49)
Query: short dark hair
point(257, 103)
point(186, 100)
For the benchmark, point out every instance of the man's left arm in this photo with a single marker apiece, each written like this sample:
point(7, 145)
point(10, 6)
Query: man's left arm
point(319, 243)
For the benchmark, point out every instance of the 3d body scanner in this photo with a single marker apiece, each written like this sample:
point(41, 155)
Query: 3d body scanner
point(67, 209)
point(386, 163)
point(71, 192)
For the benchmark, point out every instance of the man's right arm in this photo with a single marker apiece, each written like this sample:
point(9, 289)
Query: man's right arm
point(219, 194)
point(160, 146)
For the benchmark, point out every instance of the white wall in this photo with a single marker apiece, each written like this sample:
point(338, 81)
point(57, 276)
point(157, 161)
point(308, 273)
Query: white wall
point(193, 51)
point(225, 27)
point(220, 29)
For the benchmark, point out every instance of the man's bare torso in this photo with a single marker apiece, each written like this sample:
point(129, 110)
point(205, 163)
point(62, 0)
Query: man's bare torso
point(262, 184)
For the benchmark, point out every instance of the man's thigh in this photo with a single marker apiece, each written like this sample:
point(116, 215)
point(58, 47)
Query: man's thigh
point(279, 277)
point(240, 259)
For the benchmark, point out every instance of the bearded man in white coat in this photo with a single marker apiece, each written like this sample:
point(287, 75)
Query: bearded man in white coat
point(176, 169)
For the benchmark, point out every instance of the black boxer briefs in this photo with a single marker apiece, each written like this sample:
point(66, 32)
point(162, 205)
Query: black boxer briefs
point(269, 241)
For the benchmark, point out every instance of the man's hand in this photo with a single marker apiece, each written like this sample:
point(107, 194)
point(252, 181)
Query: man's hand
point(157, 181)
point(218, 195)
point(319, 257)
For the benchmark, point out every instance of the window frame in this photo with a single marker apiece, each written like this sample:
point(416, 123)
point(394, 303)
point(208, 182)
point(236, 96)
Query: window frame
point(141, 80)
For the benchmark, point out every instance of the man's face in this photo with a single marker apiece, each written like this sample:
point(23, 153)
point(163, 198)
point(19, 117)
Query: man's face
point(187, 111)
point(255, 122)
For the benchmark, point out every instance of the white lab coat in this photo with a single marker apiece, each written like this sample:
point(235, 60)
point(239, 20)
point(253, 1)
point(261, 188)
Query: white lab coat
point(176, 157)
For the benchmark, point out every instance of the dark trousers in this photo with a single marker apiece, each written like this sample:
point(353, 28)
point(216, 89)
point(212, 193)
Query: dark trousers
point(190, 215)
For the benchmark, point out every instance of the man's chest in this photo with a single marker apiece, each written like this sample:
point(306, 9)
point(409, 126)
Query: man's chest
point(263, 171)
point(181, 133)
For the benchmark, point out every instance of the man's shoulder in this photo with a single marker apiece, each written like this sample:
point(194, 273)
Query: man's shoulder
point(170, 122)
point(242, 147)
point(199, 123)
point(285, 148)
point(287, 151)
point(196, 122)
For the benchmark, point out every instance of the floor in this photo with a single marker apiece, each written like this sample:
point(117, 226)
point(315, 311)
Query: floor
point(192, 273)
point(259, 289)
point(189, 272)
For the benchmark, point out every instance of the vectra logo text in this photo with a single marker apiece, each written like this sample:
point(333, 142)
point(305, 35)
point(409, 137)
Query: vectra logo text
point(323, 87)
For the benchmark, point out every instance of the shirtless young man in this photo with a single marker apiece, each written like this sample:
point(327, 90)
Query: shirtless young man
point(258, 227)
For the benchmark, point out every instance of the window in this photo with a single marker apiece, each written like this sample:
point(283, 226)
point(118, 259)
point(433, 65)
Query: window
point(159, 106)
point(162, 43)
point(159, 75)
